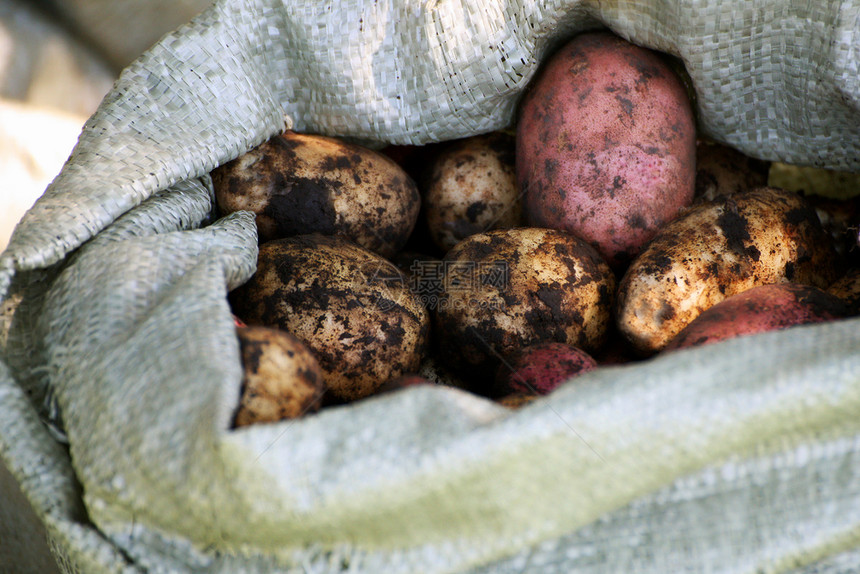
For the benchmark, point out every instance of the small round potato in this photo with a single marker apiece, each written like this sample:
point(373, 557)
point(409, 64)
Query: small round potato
point(298, 184)
point(472, 188)
point(507, 289)
point(606, 145)
point(758, 310)
point(715, 250)
point(350, 306)
point(282, 377)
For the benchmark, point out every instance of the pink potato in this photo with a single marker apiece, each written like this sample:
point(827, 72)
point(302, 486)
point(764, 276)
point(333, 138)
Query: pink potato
point(540, 369)
point(760, 309)
point(606, 145)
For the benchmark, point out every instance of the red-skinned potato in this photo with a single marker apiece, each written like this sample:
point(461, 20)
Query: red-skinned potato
point(402, 382)
point(758, 310)
point(303, 183)
point(606, 145)
point(283, 379)
point(715, 250)
point(540, 369)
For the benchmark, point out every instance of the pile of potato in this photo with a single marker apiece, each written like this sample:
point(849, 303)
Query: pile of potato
point(602, 231)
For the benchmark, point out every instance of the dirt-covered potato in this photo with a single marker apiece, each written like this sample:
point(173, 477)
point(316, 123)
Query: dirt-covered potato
point(715, 250)
point(282, 377)
point(841, 219)
point(472, 188)
point(507, 289)
point(299, 183)
point(606, 145)
point(541, 368)
point(350, 306)
point(722, 170)
point(420, 270)
point(847, 288)
point(760, 309)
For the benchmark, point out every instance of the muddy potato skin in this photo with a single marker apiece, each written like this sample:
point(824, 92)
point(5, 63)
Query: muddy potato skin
point(847, 288)
point(282, 377)
point(472, 188)
point(714, 251)
point(841, 219)
point(606, 145)
point(542, 368)
point(299, 183)
point(758, 310)
point(722, 170)
point(557, 289)
point(351, 307)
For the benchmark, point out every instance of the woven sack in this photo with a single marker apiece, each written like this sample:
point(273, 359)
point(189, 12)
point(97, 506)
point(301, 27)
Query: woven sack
point(742, 456)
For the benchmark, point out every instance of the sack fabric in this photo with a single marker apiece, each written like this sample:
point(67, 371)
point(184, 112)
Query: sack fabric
point(742, 456)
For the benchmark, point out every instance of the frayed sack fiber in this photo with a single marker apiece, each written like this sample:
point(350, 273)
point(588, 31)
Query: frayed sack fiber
point(742, 456)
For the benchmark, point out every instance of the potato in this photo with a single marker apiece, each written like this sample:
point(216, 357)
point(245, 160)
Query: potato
point(435, 371)
point(507, 289)
point(722, 170)
point(841, 219)
point(350, 306)
point(420, 270)
point(606, 145)
point(541, 368)
point(402, 382)
point(715, 250)
point(283, 379)
point(472, 188)
point(298, 184)
point(847, 288)
point(517, 400)
point(760, 309)
point(616, 351)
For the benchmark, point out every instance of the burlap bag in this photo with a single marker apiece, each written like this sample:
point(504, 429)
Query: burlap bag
point(738, 457)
